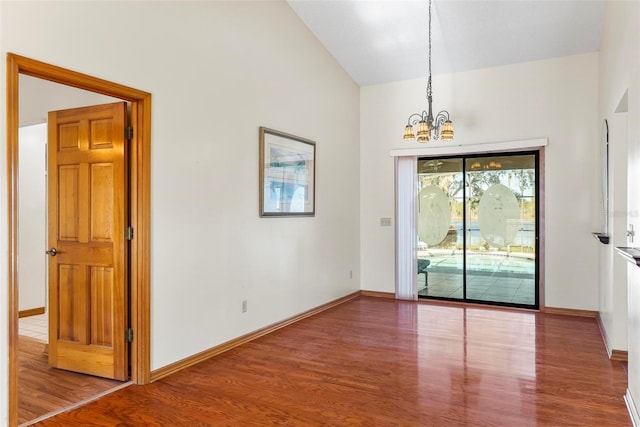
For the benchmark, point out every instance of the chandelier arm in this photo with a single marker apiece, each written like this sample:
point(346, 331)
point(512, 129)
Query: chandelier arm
point(442, 117)
point(418, 118)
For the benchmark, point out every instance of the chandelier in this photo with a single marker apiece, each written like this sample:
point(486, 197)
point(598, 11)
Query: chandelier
point(428, 126)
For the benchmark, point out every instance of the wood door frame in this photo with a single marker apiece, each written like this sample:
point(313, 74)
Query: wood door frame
point(139, 188)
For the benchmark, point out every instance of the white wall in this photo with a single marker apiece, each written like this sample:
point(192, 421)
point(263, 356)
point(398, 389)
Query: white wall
point(630, 15)
point(613, 268)
point(616, 71)
point(217, 71)
point(620, 72)
point(554, 98)
point(32, 216)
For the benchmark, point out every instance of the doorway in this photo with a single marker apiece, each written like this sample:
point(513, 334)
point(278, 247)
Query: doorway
point(43, 390)
point(138, 188)
point(478, 229)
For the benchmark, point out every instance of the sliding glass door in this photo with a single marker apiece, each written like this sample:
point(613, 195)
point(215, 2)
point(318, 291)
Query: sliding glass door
point(477, 229)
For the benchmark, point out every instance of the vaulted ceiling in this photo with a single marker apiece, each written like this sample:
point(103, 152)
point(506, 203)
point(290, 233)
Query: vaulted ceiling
point(379, 41)
point(383, 41)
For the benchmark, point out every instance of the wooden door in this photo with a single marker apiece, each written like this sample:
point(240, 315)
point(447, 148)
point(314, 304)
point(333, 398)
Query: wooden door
point(87, 205)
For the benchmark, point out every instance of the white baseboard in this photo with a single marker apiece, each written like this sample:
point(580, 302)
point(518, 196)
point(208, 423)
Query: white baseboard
point(632, 408)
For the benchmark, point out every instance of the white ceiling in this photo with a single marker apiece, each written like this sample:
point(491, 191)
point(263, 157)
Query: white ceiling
point(383, 41)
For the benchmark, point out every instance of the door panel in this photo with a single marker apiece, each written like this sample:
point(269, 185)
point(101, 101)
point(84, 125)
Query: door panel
point(500, 246)
point(87, 221)
point(440, 218)
point(68, 215)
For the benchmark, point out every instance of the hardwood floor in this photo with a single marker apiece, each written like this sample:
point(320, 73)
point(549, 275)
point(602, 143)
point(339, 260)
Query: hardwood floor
point(381, 362)
point(42, 389)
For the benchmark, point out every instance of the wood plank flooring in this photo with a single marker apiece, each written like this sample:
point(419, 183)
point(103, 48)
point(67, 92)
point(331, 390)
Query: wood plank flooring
point(42, 389)
point(381, 362)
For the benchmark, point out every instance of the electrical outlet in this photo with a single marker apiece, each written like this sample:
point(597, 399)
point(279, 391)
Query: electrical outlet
point(385, 222)
point(350, 274)
point(244, 305)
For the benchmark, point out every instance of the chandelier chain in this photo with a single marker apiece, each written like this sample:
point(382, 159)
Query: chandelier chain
point(429, 91)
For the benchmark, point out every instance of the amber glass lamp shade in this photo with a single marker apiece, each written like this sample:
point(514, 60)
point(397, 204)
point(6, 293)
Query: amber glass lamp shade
point(447, 131)
point(423, 131)
point(408, 132)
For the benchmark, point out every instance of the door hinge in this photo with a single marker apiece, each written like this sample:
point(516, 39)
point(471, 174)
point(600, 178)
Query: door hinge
point(129, 335)
point(129, 233)
point(128, 132)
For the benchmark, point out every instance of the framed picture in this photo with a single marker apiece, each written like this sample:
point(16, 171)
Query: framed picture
point(287, 174)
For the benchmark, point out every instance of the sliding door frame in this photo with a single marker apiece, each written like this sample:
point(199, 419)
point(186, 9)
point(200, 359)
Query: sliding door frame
point(538, 154)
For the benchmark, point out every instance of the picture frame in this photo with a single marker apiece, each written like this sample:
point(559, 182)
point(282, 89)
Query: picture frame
point(287, 174)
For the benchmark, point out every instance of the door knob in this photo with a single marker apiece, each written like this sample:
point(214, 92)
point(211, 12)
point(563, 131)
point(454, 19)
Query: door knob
point(52, 252)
